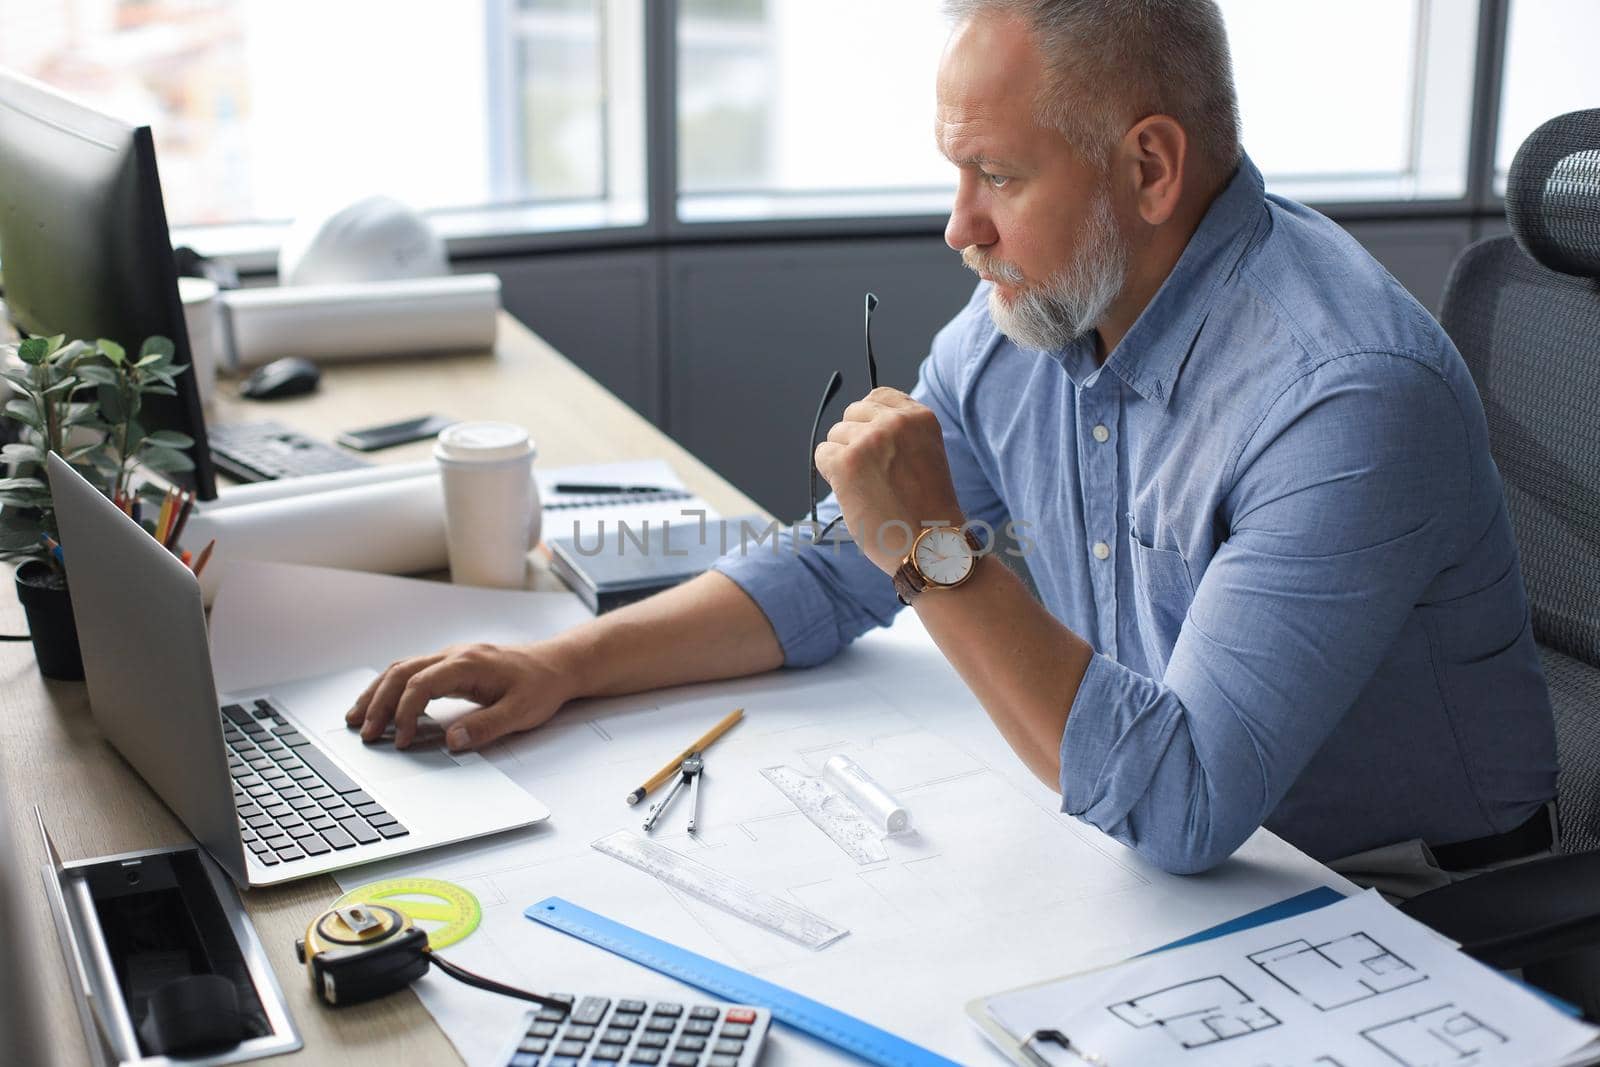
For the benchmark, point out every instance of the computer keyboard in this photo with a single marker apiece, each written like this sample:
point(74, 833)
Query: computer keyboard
point(263, 451)
point(600, 1030)
point(293, 801)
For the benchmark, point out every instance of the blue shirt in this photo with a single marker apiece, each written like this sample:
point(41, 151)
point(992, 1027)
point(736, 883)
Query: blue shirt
point(1273, 513)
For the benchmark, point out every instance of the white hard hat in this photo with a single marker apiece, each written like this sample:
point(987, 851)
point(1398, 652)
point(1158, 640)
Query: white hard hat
point(372, 240)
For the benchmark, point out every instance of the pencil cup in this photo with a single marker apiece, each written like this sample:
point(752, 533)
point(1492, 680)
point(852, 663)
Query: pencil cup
point(491, 504)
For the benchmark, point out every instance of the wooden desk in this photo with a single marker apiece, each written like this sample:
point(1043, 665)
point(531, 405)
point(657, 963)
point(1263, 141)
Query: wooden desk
point(51, 753)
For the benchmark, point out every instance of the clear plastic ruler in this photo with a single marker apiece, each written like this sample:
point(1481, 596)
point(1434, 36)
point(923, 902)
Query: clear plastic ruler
point(714, 887)
point(833, 813)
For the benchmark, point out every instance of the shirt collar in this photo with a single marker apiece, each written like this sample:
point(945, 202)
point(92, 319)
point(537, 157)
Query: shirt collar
point(1151, 354)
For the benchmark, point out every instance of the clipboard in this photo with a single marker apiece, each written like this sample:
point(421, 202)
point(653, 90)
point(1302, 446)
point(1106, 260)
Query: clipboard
point(1052, 1048)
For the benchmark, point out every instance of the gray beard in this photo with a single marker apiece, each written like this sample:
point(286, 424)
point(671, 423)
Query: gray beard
point(1074, 300)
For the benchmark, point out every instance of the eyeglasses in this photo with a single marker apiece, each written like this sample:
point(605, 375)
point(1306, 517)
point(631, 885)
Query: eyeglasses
point(828, 394)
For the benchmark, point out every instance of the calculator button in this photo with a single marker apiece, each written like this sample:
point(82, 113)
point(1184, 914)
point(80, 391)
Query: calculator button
point(699, 1027)
point(728, 1048)
point(661, 1026)
point(635, 1007)
point(739, 1030)
point(525, 1059)
point(570, 1048)
point(534, 1045)
point(690, 1044)
point(666, 1007)
point(590, 1010)
point(562, 1061)
point(684, 1059)
point(617, 1036)
point(645, 1055)
point(704, 1011)
point(741, 1015)
point(578, 1033)
point(606, 1054)
point(723, 1061)
point(623, 1021)
point(647, 1040)
point(542, 1029)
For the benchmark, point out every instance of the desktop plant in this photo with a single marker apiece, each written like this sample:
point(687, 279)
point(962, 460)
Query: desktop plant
point(80, 400)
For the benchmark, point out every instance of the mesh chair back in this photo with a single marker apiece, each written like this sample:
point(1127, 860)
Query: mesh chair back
point(1525, 312)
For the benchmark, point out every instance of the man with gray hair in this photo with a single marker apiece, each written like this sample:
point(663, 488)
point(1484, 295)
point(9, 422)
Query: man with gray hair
point(1277, 575)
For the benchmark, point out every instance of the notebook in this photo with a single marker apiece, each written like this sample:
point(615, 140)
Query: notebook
point(622, 560)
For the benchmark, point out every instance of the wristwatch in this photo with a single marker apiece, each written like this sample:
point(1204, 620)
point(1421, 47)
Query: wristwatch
point(942, 557)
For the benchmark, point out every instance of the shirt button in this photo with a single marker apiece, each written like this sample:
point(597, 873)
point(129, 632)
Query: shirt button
point(1101, 550)
point(1101, 434)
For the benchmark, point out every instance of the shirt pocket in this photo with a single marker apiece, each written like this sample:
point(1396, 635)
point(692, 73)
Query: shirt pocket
point(1162, 594)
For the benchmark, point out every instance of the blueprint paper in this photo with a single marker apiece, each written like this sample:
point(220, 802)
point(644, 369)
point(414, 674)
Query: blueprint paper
point(994, 887)
point(277, 621)
point(1346, 985)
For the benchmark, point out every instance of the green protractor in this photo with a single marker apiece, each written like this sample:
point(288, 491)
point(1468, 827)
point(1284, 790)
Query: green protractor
point(443, 910)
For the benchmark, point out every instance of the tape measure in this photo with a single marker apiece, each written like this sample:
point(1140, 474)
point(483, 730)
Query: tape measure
point(444, 911)
point(712, 886)
point(831, 1025)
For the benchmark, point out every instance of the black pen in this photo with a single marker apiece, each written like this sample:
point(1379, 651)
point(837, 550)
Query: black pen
point(589, 487)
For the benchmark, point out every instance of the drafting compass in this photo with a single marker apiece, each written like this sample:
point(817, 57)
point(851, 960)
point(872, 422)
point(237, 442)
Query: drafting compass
point(688, 774)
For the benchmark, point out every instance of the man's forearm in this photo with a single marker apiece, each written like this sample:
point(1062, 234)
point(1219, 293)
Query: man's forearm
point(705, 629)
point(1020, 661)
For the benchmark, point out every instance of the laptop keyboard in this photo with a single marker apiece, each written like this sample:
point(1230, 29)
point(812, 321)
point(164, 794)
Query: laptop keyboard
point(294, 803)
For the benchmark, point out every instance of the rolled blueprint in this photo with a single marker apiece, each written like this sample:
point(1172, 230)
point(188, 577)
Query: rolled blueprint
point(870, 798)
point(349, 321)
point(394, 527)
point(278, 488)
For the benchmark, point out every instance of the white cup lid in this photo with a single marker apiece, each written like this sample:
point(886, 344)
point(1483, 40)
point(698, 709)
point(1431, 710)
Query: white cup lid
point(483, 442)
point(196, 290)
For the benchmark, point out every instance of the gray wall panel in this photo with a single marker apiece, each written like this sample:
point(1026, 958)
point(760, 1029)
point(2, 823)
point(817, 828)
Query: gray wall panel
point(601, 309)
point(755, 330)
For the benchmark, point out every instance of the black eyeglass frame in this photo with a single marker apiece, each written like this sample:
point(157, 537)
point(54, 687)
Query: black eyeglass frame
point(832, 390)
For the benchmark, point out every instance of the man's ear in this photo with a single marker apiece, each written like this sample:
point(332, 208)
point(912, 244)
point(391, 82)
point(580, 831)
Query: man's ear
point(1155, 153)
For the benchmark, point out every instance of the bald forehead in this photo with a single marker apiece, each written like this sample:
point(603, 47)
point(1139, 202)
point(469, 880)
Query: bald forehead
point(990, 63)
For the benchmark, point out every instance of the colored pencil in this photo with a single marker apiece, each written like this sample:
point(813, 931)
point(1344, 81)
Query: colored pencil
point(699, 746)
point(205, 557)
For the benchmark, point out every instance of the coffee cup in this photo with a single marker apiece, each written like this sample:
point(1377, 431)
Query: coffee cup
point(199, 298)
point(491, 503)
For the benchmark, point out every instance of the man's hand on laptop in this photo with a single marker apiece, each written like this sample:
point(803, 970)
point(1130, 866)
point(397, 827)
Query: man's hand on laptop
point(519, 687)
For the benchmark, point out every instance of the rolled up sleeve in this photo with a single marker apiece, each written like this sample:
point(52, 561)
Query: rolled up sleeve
point(1345, 503)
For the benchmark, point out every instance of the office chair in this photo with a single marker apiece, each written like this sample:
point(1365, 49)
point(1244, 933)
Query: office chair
point(1524, 310)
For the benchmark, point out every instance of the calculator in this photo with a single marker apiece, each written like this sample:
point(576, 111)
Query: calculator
point(602, 1031)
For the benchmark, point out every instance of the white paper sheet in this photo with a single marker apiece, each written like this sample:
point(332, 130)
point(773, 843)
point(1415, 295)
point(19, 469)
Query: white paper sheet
point(993, 888)
point(1352, 983)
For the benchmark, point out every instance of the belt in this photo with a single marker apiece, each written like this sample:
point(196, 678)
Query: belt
point(1531, 837)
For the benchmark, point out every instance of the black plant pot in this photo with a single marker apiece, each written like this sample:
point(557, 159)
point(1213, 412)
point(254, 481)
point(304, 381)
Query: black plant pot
point(49, 609)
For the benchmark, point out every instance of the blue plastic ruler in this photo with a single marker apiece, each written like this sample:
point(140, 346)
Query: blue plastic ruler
point(802, 1013)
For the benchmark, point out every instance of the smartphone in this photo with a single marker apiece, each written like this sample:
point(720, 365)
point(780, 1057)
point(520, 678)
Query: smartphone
point(372, 438)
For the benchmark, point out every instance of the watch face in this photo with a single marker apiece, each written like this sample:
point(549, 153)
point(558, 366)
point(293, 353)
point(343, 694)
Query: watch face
point(943, 556)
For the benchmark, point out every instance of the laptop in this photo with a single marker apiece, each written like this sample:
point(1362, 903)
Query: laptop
point(270, 782)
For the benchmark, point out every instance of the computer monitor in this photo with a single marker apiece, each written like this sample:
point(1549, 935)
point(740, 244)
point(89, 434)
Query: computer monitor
point(84, 248)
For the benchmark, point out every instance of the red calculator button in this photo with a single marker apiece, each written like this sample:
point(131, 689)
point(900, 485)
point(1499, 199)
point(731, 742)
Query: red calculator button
point(740, 1015)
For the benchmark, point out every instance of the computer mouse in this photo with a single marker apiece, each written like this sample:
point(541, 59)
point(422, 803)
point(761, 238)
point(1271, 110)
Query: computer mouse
point(281, 378)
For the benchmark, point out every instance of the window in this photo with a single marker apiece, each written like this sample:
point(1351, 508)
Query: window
point(805, 107)
point(1356, 100)
point(1550, 70)
point(266, 109)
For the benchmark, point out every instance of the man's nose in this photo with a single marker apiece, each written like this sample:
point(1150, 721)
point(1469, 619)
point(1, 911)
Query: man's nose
point(969, 220)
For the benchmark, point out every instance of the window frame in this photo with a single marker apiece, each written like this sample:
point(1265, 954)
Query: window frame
point(509, 230)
